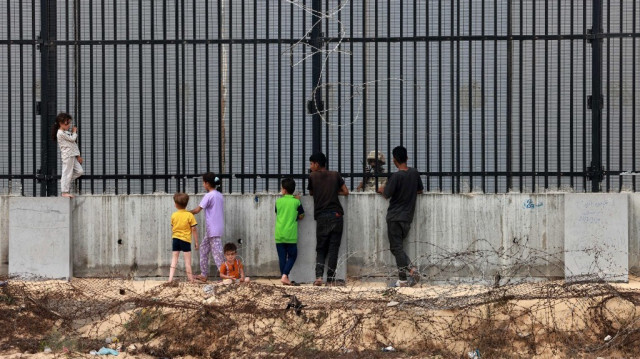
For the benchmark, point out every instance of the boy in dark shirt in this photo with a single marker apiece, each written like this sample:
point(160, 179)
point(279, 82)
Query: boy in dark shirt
point(325, 186)
point(402, 190)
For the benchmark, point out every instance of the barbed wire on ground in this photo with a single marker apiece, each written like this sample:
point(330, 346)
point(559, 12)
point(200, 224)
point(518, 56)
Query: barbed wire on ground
point(446, 315)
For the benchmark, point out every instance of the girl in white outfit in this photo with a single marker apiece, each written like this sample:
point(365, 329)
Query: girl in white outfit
point(69, 151)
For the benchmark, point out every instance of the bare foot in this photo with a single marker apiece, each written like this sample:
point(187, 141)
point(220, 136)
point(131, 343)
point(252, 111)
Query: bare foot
point(67, 194)
point(285, 280)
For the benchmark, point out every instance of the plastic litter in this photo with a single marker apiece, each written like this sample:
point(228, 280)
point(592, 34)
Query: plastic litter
point(389, 349)
point(474, 354)
point(107, 351)
point(392, 303)
point(607, 338)
point(47, 350)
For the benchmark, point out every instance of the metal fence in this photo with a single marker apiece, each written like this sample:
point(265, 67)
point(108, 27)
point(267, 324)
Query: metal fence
point(487, 95)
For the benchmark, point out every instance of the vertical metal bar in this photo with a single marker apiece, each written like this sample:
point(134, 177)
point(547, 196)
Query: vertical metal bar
point(509, 118)
point(546, 96)
point(291, 83)
point(181, 167)
point(377, 146)
point(558, 104)
point(153, 100)
point(327, 81)
point(620, 105)
point(596, 174)
point(49, 94)
point(633, 94)
point(584, 97)
point(304, 96)
point(207, 128)
point(128, 96)
point(165, 94)
point(33, 93)
point(230, 102)
point(520, 102)
point(457, 126)
point(364, 79)
point(339, 107)
point(571, 95)
point(470, 96)
point(141, 92)
point(316, 63)
point(195, 100)
point(440, 95)
point(10, 95)
point(401, 83)
point(22, 97)
point(376, 66)
point(351, 94)
point(266, 96)
point(280, 85)
point(427, 99)
point(178, 95)
point(66, 57)
point(242, 93)
point(115, 95)
point(496, 160)
point(534, 144)
point(608, 135)
point(415, 84)
point(103, 21)
point(483, 112)
point(454, 99)
point(255, 97)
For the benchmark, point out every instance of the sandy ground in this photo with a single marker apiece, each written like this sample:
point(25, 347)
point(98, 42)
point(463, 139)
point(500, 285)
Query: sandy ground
point(533, 311)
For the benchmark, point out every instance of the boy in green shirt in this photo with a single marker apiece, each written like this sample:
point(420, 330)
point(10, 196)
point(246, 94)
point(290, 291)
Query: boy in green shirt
point(288, 212)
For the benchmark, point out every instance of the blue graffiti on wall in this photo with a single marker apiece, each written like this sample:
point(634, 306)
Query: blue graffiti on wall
point(528, 204)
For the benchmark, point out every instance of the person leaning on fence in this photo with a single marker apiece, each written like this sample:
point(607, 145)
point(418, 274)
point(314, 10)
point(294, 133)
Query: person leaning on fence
point(325, 186)
point(69, 152)
point(183, 227)
point(375, 166)
point(288, 212)
point(402, 190)
point(213, 204)
point(232, 270)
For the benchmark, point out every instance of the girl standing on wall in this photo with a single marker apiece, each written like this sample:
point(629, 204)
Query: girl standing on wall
point(69, 151)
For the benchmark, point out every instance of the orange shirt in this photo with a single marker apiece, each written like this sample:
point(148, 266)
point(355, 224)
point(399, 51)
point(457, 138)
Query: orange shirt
point(233, 269)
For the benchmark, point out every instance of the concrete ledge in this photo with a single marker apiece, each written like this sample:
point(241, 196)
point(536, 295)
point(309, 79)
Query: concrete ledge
point(473, 236)
point(40, 237)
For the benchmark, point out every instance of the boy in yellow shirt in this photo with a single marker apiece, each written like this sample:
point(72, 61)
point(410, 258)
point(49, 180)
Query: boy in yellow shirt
point(183, 227)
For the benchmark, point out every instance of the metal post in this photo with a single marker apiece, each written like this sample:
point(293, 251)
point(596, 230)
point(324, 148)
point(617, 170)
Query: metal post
point(595, 172)
point(48, 97)
point(316, 106)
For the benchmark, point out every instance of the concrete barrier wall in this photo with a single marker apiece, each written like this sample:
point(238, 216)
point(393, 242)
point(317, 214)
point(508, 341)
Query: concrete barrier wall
point(4, 235)
point(522, 234)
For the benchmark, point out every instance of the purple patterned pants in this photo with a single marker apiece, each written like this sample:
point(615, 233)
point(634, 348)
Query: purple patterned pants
point(213, 246)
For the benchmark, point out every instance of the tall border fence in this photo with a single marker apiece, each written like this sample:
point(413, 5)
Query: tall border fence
point(487, 95)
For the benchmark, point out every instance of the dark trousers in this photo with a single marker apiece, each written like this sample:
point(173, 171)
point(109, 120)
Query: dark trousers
point(287, 254)
point(328, 238)
point(397, 232)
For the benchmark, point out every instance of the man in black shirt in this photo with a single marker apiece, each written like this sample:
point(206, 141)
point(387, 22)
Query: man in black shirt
point(325, 186)
point(402, 189)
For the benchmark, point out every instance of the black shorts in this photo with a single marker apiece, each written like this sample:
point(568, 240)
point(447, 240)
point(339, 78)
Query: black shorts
point(178, 245)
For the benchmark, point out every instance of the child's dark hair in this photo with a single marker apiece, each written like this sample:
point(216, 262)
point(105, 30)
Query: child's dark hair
point(230, 247)
point(211, 179)
point(319, 158)
point(400, 154)
point(60, 119)
point(289, 185)
point(181, 199)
